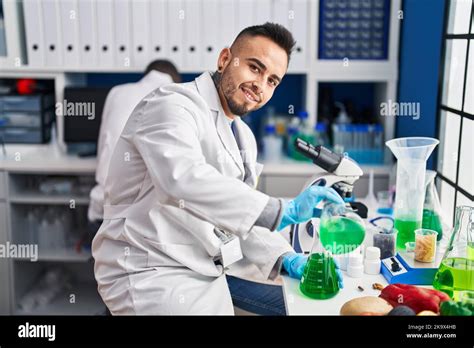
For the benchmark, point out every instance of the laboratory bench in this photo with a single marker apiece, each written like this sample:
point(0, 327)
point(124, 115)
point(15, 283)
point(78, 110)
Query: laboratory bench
point(298, 304)
point(23, 168)
point(288, 177)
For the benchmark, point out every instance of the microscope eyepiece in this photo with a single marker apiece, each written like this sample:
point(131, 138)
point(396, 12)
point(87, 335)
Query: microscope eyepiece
point(321, 156)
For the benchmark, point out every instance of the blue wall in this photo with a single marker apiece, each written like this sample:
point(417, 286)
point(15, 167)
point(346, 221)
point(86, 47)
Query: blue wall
point(420, 53)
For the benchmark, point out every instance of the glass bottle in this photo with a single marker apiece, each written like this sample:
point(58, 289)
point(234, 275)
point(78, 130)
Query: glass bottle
point(432, 206)
point(456, 271)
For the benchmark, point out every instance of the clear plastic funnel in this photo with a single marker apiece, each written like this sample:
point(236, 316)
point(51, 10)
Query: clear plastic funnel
point(412, 154)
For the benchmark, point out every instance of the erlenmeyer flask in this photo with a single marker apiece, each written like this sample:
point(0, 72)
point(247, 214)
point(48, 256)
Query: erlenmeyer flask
point(456, 271)
point(411, 154)
point(341, 230)
point(432, 206)
point(319, 280)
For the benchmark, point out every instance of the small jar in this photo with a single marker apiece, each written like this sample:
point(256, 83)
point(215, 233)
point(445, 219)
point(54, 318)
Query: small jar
point(386, 241)
point(425, 245)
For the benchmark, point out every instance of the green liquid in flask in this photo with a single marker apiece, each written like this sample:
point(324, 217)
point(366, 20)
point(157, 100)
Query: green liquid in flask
point(432, 221)
point(341, 235)
point(406, 231)
point(470, 250)
point(455, 274)
point(319, 279)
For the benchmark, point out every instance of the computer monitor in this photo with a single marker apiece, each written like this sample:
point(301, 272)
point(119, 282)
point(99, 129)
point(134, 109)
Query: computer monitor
point(82, 111)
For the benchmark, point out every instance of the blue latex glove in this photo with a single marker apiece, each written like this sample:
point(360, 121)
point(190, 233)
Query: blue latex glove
point(294, 264)
point(303, 207)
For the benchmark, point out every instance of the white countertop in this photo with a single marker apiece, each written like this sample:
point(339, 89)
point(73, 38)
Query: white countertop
point(50, 158)
point(293, 167)
point(298, 304)
point(41, 158)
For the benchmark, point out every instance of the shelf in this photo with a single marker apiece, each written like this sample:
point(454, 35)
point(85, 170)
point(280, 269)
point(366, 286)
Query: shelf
point(88, 302)
point(66, 255)
point(41, 198)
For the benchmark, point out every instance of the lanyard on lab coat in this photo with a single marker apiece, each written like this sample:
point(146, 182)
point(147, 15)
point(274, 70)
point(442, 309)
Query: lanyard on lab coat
point(230, 248)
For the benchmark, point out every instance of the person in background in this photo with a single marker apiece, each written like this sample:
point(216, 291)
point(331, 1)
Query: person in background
point(120, 102)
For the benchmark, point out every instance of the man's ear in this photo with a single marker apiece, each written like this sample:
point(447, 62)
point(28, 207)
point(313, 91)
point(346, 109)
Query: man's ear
point(224, 59)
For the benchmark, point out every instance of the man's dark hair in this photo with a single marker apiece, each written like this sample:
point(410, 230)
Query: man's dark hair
point(273, 31)
point(166, 67)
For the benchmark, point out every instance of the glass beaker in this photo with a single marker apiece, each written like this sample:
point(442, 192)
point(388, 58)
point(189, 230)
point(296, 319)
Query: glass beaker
point(386, 241)
point(456, 271)
point(425, 245)
point(432, 206)
point(319, 280)
point(411, 154)
point(341, 230)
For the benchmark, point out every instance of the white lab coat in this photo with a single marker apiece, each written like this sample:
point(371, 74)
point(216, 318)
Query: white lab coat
point(176, 174)
point(119, 104)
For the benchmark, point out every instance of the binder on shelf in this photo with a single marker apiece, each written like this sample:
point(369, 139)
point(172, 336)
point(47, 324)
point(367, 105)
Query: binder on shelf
point(141, 33)
point(52, 44)
point(210, 44)
point(245, 15)
point(87, 36)
point(192, 46)
point(299, 27)
point(34, 32)
point(122, 33)
point(159, 29)
point(226, 23)
point(263, 11)
point(105, 33)
point(175, 32)
point(69, 31)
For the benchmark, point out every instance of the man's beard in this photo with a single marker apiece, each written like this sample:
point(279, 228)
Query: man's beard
point(228, 89)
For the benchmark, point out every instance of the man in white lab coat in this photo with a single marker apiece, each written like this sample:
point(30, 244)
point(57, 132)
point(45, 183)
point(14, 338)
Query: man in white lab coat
point(182, 213)
point(119, 104)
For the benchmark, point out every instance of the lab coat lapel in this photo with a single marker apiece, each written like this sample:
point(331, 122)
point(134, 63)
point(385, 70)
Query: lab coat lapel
point(248, 154)
point(208, 91)
point(227, 138)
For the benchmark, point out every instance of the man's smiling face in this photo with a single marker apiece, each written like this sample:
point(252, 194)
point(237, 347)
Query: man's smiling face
point(251, 70)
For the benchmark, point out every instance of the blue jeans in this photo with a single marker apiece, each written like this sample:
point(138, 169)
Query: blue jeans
point(263, 299)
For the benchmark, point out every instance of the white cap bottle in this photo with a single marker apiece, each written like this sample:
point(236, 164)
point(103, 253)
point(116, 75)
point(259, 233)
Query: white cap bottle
point(372, 262)
point(355, 269)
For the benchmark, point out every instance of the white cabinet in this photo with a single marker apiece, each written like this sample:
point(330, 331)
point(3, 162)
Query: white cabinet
point(56, 224)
